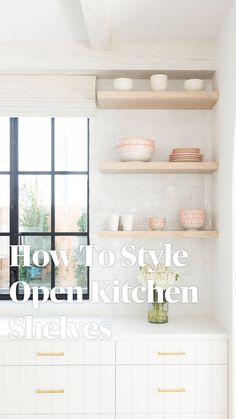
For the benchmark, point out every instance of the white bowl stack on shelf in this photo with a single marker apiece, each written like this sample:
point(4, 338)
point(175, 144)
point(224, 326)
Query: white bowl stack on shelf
point(186, 154)
point(123, 84)
point(135, 149)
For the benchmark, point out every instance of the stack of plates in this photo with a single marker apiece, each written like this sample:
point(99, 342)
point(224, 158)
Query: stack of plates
point(186, 154)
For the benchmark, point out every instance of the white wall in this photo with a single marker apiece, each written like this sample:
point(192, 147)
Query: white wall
point(225, 118)
point(224, 131)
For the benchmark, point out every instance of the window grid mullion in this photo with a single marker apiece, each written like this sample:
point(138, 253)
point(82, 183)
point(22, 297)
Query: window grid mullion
point(14, 214)
point(53, 280)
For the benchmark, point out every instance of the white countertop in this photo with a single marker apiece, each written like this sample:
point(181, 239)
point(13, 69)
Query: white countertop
point(136, 328)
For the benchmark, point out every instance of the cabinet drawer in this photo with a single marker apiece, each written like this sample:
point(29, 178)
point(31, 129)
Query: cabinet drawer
point(175, 416)
point(85, 416)
point(171, 389)
point(171, 352)
point(57, 390)
point(57, 353)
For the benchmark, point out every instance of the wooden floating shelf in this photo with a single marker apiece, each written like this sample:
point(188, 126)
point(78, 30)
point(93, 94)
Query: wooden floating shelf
point(148, 234)
point(156, 100)
point(157, 167)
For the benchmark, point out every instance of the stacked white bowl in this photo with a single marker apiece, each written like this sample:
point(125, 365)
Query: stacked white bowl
point(192, 219)
point(135, 149)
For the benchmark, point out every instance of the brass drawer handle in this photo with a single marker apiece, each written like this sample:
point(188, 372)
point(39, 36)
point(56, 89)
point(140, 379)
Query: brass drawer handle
point(50, 353)
point(171, 390)
point(57, 391)
point(171, 353)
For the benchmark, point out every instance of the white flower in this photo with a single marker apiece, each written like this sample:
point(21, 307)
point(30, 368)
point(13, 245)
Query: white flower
point(161, 275)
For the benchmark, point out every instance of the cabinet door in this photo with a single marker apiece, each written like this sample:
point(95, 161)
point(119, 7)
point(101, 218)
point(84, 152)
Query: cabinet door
point(171, 389)
point(82, 416)
point(171, 352)
point(54, 390)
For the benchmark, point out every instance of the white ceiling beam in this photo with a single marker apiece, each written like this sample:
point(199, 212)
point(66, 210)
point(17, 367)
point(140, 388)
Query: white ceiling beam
point(76, 58)
point(96, 23)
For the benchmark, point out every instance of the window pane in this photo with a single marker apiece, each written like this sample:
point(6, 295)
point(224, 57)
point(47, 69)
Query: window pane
point(4, 144)
point(34, 203)
point(34, 144)
point(71, 203)
point(75, 274)
point(71, 144)
point(4, 202)
point(34, 275)
point(4, 265)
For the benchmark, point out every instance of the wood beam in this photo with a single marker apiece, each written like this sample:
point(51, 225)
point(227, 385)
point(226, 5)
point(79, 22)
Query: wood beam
point(96, 23)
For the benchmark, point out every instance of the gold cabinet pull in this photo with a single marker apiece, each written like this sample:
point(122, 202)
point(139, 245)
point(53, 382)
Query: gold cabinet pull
point(171, 390)
point(50, 353)
point(171, 353)
point(56, 391)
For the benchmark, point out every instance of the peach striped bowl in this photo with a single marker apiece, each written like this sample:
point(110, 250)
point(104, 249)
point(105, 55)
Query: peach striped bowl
point(192, 219)
point(142, 141)
point(157, 223)
point(134, 152)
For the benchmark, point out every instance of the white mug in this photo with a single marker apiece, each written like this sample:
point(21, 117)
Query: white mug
point(127, 221)
point(113, 222)
point(159, 82)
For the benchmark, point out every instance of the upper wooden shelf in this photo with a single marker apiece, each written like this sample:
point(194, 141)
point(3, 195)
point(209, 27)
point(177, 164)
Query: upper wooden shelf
point(156, 100)
point(157, 167)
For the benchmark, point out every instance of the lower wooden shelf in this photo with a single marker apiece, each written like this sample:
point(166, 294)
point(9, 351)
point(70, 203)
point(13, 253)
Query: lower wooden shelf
point(201, 234)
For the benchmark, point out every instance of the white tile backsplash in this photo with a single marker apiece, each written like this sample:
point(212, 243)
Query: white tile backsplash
point(150, 195)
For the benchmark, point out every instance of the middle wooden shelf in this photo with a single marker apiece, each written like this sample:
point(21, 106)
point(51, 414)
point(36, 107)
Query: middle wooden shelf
point(156, 167)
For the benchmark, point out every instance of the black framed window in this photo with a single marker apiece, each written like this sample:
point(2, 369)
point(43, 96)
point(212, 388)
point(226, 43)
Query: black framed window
point(44, 198)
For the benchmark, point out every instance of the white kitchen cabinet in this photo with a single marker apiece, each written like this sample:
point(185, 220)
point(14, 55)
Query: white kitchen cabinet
point(57, 353)
point(171, 352)
point(172, 416)
point(64, 416)
point(171, 389)
point(57, 390)
point(159, 378)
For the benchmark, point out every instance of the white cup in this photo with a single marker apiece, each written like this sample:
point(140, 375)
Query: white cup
point(127, 221)
point(113, 222)
point(159, 82)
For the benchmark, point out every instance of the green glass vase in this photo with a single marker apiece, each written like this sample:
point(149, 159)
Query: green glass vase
point(158, 312)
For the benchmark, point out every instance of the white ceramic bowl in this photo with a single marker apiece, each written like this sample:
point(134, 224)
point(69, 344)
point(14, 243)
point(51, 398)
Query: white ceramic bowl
point(159, 82)
point(193, 84)
point(157, 223)
point(123, 83)
point(192, 219)
point(134, 152)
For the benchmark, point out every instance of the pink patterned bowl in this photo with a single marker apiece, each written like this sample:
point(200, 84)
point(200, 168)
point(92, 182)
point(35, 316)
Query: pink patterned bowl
point(134, 152)
point(192, 219)
point(157, 223)
point(141, 141)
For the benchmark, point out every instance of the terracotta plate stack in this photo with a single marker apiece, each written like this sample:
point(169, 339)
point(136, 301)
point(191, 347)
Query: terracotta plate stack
point(186, 154)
